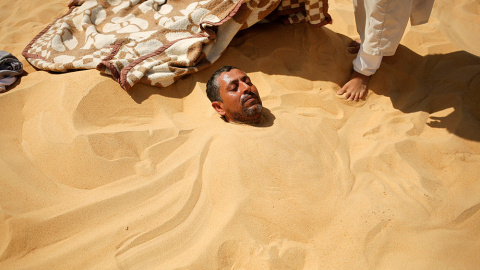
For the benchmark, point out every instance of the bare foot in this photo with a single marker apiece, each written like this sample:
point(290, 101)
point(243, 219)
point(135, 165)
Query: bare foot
point(356, 87)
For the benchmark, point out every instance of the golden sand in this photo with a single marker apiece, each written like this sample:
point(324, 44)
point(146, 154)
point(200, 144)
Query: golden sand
point(93, 177)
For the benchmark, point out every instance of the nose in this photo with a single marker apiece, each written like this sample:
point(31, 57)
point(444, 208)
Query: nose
point(246, 88)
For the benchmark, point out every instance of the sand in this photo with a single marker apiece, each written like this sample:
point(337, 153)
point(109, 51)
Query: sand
point(93, 177)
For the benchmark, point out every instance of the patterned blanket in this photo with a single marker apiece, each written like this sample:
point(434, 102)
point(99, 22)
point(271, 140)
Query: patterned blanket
point(314, 12)
point(150, 41)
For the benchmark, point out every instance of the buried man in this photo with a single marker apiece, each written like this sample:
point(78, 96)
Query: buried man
point(234, 96)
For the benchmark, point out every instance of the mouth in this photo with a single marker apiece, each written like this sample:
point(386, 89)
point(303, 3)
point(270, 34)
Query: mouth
point(249, 99)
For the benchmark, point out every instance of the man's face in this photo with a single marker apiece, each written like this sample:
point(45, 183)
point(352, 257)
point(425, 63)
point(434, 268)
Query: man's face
point(241, 101)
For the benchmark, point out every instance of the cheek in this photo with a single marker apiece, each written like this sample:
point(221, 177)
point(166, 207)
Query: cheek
point(234, 101)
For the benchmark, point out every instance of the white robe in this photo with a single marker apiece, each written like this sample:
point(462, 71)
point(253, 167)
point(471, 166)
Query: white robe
point(381, 24)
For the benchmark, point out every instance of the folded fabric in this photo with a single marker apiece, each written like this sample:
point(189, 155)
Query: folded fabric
point(150, 41)
point(9, 68)
point(6, 82)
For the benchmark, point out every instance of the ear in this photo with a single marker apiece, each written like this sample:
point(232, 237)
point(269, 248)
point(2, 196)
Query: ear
point(218, 106)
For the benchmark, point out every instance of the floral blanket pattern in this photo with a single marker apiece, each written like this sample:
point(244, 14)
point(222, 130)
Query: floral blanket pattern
point(150, 41)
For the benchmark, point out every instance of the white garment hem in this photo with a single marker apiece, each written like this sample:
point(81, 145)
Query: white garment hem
point(365, 63)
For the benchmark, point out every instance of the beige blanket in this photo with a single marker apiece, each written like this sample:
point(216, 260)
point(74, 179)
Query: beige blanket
point(155, 41)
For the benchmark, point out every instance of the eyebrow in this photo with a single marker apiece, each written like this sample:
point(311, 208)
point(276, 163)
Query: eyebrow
point(243, 78)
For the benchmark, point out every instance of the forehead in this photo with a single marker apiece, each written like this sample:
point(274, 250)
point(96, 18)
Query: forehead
point(228, 77)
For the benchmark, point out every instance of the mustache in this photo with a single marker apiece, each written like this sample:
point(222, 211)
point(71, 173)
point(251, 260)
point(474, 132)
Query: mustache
point(245, 96)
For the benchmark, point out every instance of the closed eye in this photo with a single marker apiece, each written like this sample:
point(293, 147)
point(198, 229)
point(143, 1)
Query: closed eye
point(247, 80)
point(233, 87)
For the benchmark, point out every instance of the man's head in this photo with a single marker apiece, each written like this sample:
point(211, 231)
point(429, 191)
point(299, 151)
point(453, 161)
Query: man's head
point(234, 96)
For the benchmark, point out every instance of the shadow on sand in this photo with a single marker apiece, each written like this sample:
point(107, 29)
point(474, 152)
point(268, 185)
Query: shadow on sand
point(414, 83)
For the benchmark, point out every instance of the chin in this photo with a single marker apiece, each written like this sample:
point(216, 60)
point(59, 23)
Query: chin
point(255, 116)
point(255, 110)
point(257, 119)
point(250, 115)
